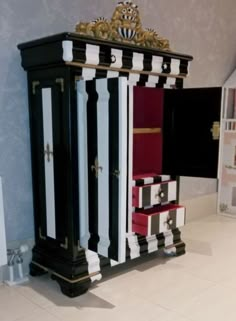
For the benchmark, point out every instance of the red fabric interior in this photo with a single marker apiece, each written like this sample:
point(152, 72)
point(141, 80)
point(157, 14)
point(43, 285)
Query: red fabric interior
point(147, 154)
point(148, 107)
point(158, 209)
point(142, 176)
point(135, 196)
point(140, 229)
point(148, 113)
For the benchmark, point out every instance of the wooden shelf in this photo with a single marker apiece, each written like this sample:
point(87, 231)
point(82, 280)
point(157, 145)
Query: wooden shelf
point(147, 130)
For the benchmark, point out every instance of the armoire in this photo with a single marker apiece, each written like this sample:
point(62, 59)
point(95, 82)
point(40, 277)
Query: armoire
point(112, 129)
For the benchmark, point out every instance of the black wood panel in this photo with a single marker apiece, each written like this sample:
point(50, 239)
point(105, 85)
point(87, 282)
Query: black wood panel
point(127, 59)
point(188, 148)
point(92, 155)
point(61, 170)
point(113, 166)
point(161, 82)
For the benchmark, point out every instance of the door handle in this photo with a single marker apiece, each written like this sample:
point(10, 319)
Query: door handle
point(215, 130)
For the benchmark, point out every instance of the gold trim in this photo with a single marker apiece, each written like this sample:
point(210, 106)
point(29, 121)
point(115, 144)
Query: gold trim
point(77, 78)
point(60, 81)
point(63, 277)
point(78, 64)
point(41, 235)
point(147, 130)
point(124, 26)
point(65, 245)
point(34, 85)
point(173, 245)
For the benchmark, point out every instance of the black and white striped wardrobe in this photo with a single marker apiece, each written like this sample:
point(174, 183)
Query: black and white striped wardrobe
point(104, 154)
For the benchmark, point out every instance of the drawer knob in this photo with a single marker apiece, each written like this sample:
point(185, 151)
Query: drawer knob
point(116, 173)
point(113, 59)
point(161, 194)
point(169, 222)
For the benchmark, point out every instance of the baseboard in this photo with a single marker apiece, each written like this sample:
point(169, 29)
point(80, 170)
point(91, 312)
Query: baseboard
point(200, 206)
point(4, 272)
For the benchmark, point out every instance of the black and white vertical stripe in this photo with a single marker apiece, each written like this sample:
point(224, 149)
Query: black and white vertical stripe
point(47, 114)
point(150, 180)
point(102, 137)
point(102, 55)
point(149, 195)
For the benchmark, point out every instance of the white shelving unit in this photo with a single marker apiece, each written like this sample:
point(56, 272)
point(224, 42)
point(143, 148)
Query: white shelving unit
point(227, 159)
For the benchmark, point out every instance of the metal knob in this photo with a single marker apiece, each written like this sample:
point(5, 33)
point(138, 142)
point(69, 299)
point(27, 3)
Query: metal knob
point(113, 59)
point(116, 173)
point(169, 222)
point(161, 194)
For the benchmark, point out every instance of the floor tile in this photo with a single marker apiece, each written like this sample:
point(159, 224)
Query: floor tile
point(13, 305)
point(216, 304)
point(39, 315)
point(199, 285)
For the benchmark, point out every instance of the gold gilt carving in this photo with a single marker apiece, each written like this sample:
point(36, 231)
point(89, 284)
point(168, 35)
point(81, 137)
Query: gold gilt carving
point(124, 26)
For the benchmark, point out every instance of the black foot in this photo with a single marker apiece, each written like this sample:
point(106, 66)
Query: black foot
point(35, 270)
point(73, 290)
point(180, 249)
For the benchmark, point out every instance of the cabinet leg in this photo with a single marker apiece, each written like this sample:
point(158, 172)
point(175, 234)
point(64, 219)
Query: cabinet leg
point(72, 290)
point(180, 249)
point(35, 270)
point(175, 249)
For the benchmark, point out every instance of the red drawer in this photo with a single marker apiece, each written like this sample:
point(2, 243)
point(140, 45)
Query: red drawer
point(153, 194)
point(159, 219)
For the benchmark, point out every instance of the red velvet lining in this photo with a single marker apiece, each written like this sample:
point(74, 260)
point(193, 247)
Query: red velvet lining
point(148, 113)
point(140, 229)
point(147, 153)
point(142, 176)
point(148, 107)
point(157, 209)
point(135, 196)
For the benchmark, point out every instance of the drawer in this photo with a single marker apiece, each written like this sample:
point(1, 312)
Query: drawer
point(153, 194)
point(158, 219)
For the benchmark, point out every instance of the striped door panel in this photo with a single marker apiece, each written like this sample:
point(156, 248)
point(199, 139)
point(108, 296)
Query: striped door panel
point(158, 219)
point(149, 195)
point(102, 144)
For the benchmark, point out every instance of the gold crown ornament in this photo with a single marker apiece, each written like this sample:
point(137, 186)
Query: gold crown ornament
point(124, 26)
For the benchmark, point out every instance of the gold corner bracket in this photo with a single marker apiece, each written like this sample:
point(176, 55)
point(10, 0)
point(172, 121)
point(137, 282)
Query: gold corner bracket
point(124, 26)
point(60, 81)
point(34, 85)
point(65, 245)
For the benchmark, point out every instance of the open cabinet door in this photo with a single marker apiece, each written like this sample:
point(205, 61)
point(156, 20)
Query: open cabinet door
point(190, 135)
point(102, 149)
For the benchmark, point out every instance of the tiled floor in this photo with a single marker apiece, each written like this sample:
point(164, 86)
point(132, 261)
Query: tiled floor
point(198, 286)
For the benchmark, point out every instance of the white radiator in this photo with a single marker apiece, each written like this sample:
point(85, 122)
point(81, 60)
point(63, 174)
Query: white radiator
point(3, 249)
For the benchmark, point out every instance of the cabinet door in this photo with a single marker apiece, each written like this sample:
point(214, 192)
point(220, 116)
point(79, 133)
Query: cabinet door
point(102, 146)
point(189, 147)
point(48, 143)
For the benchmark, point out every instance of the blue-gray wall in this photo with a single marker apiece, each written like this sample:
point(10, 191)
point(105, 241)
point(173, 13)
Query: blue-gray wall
point(204, 29)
